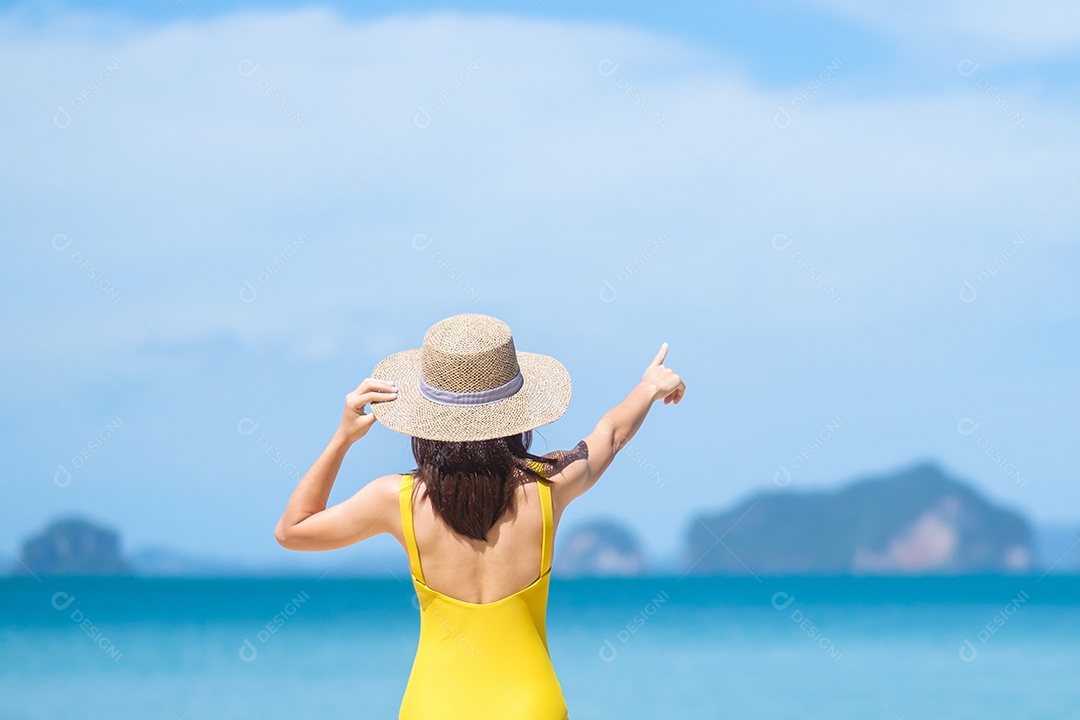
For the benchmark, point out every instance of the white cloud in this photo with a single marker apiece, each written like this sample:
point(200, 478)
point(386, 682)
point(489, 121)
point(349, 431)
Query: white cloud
point(197, 154)
point(1000, 29)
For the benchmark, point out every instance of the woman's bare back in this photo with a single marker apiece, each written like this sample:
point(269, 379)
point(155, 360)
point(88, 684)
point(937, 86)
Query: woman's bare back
point(476, 571)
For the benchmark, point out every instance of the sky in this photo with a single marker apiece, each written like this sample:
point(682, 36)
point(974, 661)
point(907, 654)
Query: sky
point(854, 222)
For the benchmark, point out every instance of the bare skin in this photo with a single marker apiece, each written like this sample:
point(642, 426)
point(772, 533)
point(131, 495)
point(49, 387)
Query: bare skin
point(464, 568)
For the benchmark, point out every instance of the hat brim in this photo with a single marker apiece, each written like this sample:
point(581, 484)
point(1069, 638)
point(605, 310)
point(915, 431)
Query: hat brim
point(542, 399)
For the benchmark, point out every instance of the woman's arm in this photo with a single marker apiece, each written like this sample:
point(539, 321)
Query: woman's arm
point(307, 524)
point(617, 426)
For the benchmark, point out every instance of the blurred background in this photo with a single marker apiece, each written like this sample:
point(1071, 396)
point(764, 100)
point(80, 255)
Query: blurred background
point(855, 224)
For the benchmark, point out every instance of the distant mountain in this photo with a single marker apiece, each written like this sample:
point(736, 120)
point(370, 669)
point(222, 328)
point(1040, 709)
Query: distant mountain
point(917, 520)
point(78, 546)
point(73, 546)
point(600, 547)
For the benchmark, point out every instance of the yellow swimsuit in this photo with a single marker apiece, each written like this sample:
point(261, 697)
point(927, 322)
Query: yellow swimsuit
point(482, 661)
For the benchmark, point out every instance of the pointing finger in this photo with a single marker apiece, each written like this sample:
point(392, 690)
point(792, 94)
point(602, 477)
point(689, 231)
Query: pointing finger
point(659, 359)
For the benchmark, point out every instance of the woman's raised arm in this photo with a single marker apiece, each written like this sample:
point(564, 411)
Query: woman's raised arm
point(617, 426)
point(307, 524)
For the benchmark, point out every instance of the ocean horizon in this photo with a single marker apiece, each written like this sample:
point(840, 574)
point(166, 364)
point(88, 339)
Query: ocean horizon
point(656, 646)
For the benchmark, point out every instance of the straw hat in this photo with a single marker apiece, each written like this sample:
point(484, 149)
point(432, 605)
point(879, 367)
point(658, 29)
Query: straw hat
point(469, 382)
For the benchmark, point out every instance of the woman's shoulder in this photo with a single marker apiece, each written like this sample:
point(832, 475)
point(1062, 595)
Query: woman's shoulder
point(389, 486)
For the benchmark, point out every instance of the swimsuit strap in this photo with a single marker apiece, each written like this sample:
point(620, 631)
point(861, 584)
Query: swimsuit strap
point(548, 538)
point(405, 502)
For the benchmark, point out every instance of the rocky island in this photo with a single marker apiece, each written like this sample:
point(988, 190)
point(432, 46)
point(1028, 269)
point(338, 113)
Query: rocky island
point(918, 520)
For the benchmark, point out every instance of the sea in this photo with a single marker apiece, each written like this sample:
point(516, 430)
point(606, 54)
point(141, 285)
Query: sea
point(777, 648)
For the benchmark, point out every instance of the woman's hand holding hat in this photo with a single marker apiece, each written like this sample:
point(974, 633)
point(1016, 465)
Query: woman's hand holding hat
point(354, 421)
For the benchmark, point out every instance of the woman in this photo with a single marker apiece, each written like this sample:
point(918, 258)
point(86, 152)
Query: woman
point(477, 515)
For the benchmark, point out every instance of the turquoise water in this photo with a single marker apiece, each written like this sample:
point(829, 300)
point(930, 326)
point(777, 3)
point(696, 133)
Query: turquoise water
point(834, 648)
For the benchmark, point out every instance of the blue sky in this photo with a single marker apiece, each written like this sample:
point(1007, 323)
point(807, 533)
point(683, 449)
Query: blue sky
point(855, 223)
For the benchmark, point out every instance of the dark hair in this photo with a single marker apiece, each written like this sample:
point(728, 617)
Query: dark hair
point(471, 483)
